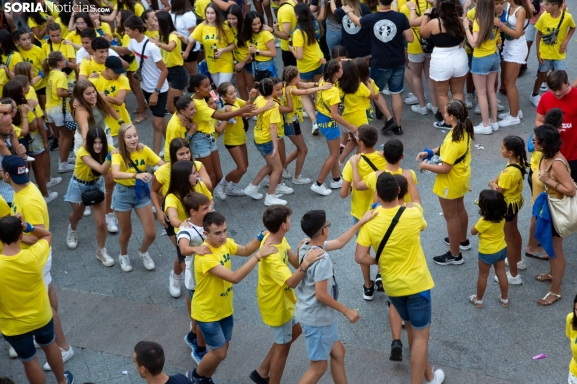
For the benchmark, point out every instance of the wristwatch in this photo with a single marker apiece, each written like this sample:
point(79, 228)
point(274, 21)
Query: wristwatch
point(157, 90)
point(258, 51)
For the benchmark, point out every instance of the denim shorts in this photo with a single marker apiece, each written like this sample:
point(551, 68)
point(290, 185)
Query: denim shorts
point(530, 32)
point(265, 149)
point(328, 127)
point(320, 340)
point(311, 74)
point(217, 333)
point(391, 77)
point(560, 65)
point(415, 309)
point(492, 258)
point(248, 68)
point(283, 334)
point(177, 77)
point(124, 198)
point(202, 145)
point(292, 129)
point(190, 294)
point(485, 65)
point(24, 344)
point(76, 188)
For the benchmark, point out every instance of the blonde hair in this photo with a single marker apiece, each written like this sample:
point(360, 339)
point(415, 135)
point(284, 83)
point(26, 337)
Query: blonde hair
point(122, 150)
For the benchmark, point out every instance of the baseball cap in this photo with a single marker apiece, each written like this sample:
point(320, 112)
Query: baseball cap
point(115, 64)
point(16, 168)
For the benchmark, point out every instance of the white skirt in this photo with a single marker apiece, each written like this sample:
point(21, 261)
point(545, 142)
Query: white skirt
point(447, 63)
point(515, 51)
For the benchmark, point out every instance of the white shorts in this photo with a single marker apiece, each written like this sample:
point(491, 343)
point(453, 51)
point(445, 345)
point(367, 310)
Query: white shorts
point(56, 116)
point(572, 379)
point(515, 51)
point(418, 58)
point(78, 141)
point(530, 32)
point(46, 270)
point(447, 63)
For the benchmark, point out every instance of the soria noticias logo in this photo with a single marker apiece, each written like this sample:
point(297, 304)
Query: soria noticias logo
point(49, 8)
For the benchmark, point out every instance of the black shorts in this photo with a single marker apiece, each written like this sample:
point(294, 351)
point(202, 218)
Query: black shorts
point(179, 255)
point(573, 167)
point(511, 213)
point(288, 59)
point(41, 91)
point(177, 77)
point(192, 56)
point(170, 229)
point(160, 107)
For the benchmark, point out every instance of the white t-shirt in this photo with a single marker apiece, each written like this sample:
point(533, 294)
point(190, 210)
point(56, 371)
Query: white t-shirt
point(150, 72)
point(183, 23)
point(83, 53)
point(195, 238)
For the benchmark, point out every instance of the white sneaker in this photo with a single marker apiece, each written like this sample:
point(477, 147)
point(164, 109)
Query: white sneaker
point(273, 200)
point(65, 167)
point(252, 191)
point(500, 107)
point(286, 174)
point(174, 284)
point(104, 257)
point(520, 264)
point(469, 100)
point(51, 196)
point(154, 208)
point(266, 181)
point(71, 160)
point(512, 280)
point(411, 99)
point(320, 189)
point(509, 121)
point(87, 211)
point(283, 189)
point(219, 191)
point(305, 115)
point(124, 261)
point(535, 100)
point(482, 130)
point(439, 376)
point(54, 181)
point(386, 91)
point(504, 115)
point(336, 184)
point(147, 261)
point(420, 110)
point(12, 353)
point(301, 180)
point(315, 129)
point(277, 43)
point(71, 239)
point(111, 223)
point(432, 109)
point(494, 126)
point(477, 110)
point(66, 355)
point(544, 87)
point(235, 191)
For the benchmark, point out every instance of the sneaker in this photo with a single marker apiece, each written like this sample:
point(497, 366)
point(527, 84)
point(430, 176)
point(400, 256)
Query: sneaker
point(234, 191)
point(301, 180)
point(315, 129)
point(252, 191)
point(369, 293)
point(198, 380)
point(286, 174)
point(66, 355)
point(432, 109)
point(12, 353)
point(506, 114)
point(509, 121)
point(277, 43)
point(54, 181)
point(336, 184)
point(419, 110)
point(500, 107)
point(469, 100)
point(71, 239)
point(283, 189)
point(448, 259)
point(111, 223)
point(87, 211)
point(512, 280)
point(266, 181)
point(379, 282)
point(389, 125)
point(65, 167)
point(305, 115)
point(535, 100)
point(463, 245)
point(54, 145)
point(273, 200)
point(219, 191)
point(520, 265)
point(398, 131)
point(51, 196)
point(71, 160)
point(411, 99)
point(441, 125)
point(103, 256)
point(480, 129)
point(124, 261)
point(258, 379)
point(439, 376)
point(147, 261)
point(320, 189)
point(396, 350)
point(386, 91)
point(543, 88)
point(69, 377)
point(477, 110)
point(439, 115)
point(494, 126)
point(197, 356)
point(192, 344)
point(174, 284)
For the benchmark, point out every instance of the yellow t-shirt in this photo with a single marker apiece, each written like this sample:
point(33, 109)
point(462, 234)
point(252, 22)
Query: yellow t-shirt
point(174, 130)
point(259, 41)
point(31, 95)
point(66, 49)
point(208, 37)
point(30, 203)
point(547, 24)
point(24, 310)
point(138, 9)
point(105, 28)
point(361, 200)
point(111, 88)
point(35, 56)
point(491, 236)
point(152, 34)
point(511, 181)
point(83, 171)
point(264, 120)
point(15, 58)
point(275, 299)
point(200, 8)
point(140, 158)
point(371, 181)
point(403, 264)
point(234, 134)
point(327, 98)
point(297, 102)
point(56, 79)
point(286, 14)
point(88, 67)
point(123, 41)
point(312, 54)
point(75, 37)
point(572, 335)
point(162, 175)
point(240, 52)
point(454, 184)
point(172, 201)
point(63, 28)
point(203, 116)
point(489, 46)
point(535, 159)
point(174, 58)
point(212, 299)
point(415, 48)
point(52, 11)
point(355, 111)
point(4, 208)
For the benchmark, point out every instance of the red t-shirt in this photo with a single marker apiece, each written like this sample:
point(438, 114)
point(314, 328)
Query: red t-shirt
point(568, 105)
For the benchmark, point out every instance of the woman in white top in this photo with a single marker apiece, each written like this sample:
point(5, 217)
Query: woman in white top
point(184, 21)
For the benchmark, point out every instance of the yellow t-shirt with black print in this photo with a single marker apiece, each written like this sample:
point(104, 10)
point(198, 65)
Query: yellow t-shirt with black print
point(111, 88)
point(81, 170)
point(208, 37)
point(234, 134)
point(141, 159)
point(262, 128)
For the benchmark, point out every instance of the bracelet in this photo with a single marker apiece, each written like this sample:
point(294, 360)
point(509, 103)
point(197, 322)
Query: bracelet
point(260, 236)
point(413, 9)
point(256, 257)
point(29, 228)
point(556, 185)
point(301, 269)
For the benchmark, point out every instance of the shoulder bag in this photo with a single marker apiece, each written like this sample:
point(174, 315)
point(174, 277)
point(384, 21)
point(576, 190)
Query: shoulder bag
point(563, 210)
point(138, 73)
point(550, 38)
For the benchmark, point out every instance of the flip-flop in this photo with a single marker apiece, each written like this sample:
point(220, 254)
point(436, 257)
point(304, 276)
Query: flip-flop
point(538, 256)
point(140, 119)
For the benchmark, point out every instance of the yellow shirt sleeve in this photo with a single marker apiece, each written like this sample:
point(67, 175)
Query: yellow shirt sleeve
point(4, 208)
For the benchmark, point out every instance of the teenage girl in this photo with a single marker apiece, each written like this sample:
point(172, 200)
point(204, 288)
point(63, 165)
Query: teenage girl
point(103, 29)
point(492, 245)
point(79, 22)
point(9, 57)
point(180, 124)
point(261, 46)
point(243, 72)
point(131, 5)
point(55, 42)
point(151, 23)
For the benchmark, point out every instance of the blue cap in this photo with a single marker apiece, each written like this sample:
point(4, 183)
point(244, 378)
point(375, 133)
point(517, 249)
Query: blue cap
point(16, 168)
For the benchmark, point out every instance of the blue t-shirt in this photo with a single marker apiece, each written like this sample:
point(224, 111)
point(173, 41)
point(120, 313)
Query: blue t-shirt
point(179, 378)
point(356, 40)
point(387, 42)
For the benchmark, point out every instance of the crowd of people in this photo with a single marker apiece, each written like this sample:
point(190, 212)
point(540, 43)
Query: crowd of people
point(212, 67)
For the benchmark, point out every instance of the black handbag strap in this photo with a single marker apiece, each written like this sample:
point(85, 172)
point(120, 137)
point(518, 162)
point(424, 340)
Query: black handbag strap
point(142, 55)
point(389, 231)
point(134, 166)
point(370, 163)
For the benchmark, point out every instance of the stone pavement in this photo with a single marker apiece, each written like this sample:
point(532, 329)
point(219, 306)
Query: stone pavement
point(105, 312)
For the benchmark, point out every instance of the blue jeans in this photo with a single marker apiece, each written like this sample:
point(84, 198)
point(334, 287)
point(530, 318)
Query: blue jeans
point(24, 344)
point(391, 77)
point(415, 309)
point(334, 38)
point(217, 333)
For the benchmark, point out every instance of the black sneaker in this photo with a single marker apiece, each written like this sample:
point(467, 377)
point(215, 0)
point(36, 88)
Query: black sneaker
point(191, 375)
point(398, 131)
point(441, 125)
point(379, 283)
point(439, 116)
point(389, 125)
point(378, 114)
point(369, 293)
point(463, 245)
point(396, 351)
point(258, 379)
point(54, 145)
point(448, 259)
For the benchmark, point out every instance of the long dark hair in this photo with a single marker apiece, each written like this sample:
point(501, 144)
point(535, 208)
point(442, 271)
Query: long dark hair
point(459, 110)
point(331, 68)
point(549, 139)
point(245, 34)
point(124, 15)
point(329, 11)
point(523, 4)
point(91, 136)
point(236, 12)
point(180, 7)
point(39, 19)
point(165, 26)
point(65, 16)
point(450, 14)
point(516, 145)
point(305, 22)
point(126, 4)
point(179, 173)
point(574, 319)
point(363, 68)
point(86, 17)
point(6, 43)
point(350, 80)
point(14, 90)
point(492, 205)
point(175, 145)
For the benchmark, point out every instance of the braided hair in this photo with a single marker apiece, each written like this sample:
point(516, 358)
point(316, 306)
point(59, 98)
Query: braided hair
point(289, 73)
point(516, 145)
point(459, 110)
point(331, 68)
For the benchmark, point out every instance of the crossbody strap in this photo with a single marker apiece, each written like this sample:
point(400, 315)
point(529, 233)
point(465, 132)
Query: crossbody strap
point(370, 163)
point(142, 56)
point(389, 232)
point(134, 166)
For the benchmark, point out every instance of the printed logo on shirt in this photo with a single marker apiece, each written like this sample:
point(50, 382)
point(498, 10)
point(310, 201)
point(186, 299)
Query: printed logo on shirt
point(566, 126)
point(112, 90)
point(225, 259)
point(350, 27)
point(385, 30)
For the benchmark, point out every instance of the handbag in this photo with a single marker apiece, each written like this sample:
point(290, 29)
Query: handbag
point(551, 37)
point(70, 125)
point(563, 211)
point(92, 197)
point(138, 73)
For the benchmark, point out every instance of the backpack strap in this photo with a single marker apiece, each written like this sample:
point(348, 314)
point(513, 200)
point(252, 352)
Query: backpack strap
point(460, 159)
point(370, 163)
point(389, 231)
point(517, 166)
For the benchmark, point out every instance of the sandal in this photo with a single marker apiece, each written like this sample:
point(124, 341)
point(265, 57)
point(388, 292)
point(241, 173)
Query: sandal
point(475, 302)
point(504, 302)
point(544, 301)
point(140, 119)
point(540, 256)
point(544, 277)
point(138, 113)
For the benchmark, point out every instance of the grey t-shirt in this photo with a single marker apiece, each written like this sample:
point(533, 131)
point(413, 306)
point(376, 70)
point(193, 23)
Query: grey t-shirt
point(308, 310)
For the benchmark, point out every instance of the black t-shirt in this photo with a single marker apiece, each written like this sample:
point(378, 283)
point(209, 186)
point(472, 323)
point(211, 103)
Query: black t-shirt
point(387, 42)
point(179, 378)
point(356, 40)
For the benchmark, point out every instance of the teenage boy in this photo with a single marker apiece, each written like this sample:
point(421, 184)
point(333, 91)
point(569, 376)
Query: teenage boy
point(25, 312)
point(94, 64)
point(35, 56)
point(361, 200)
point(554, 28)
point(189, 239)
point(154, 72)
point(86, 37)
point(148, 358)
point(275, 295)
point(406, 277)
point(211, 305)
point(317, 296)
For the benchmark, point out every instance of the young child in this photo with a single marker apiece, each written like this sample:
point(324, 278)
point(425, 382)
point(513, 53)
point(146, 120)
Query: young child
point(317, 297)
point(510, 184)
point(148, 357)
point(219, 125)
point(492, 245)
point(274, 292)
